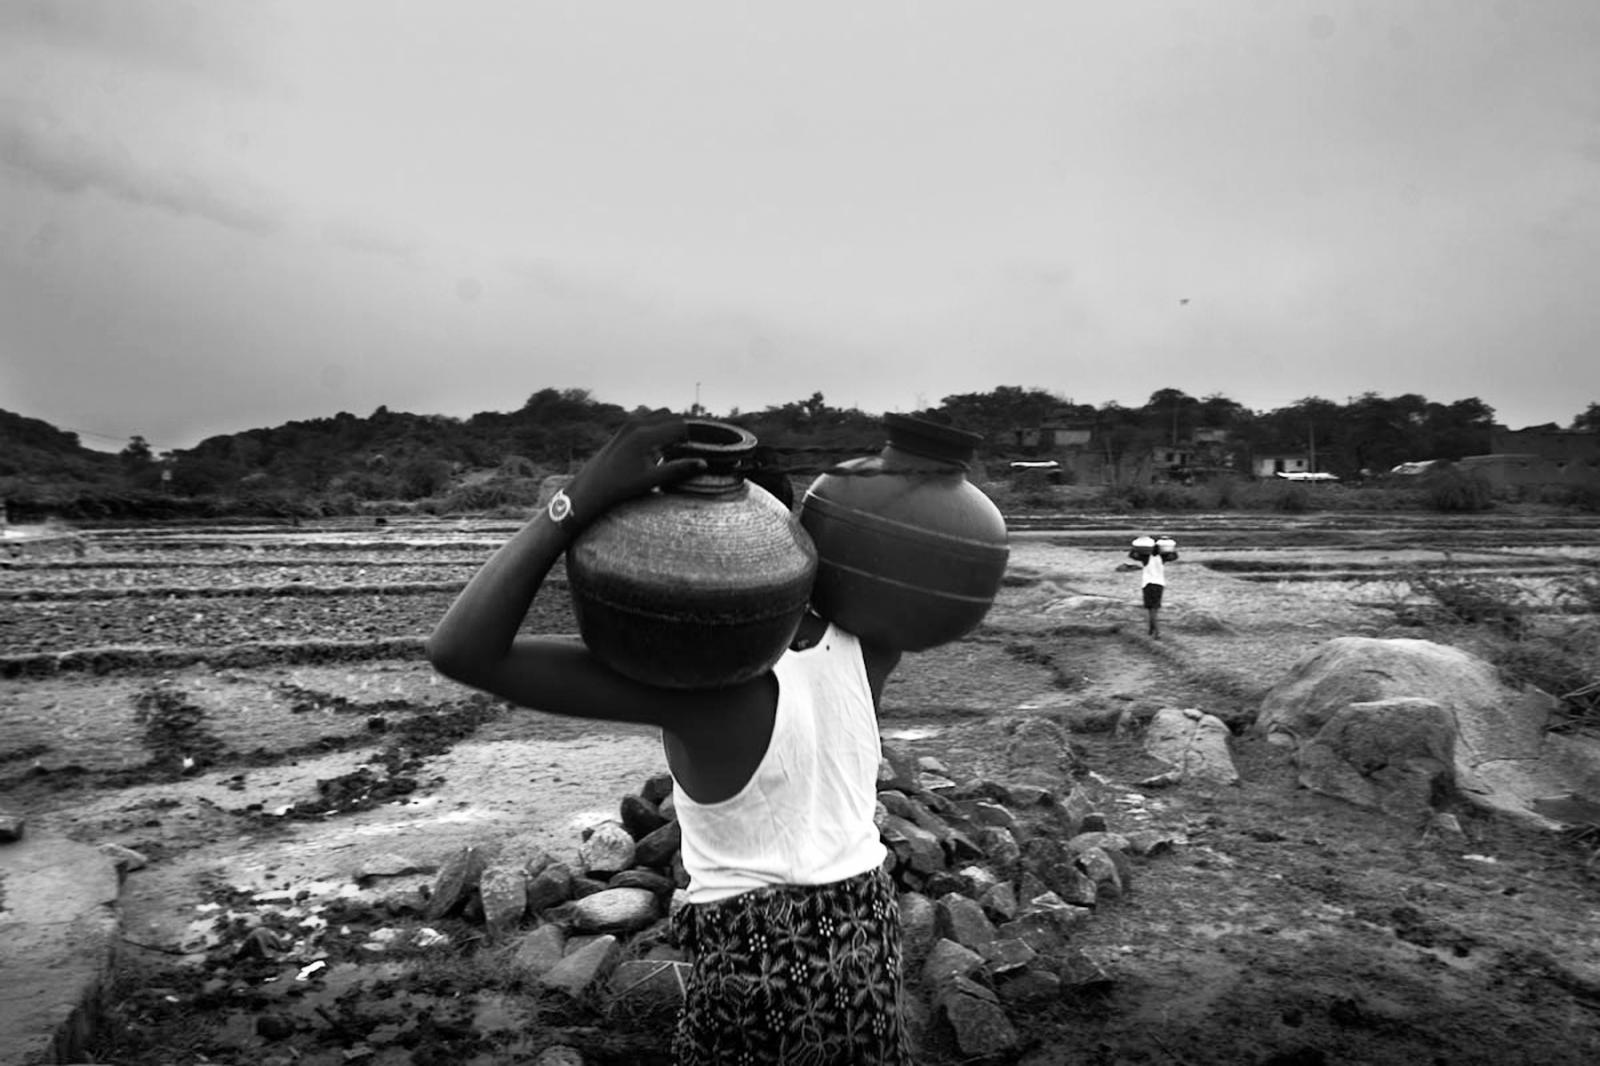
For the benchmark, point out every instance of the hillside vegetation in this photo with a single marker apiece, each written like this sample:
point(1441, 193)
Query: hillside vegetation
point(392, 461)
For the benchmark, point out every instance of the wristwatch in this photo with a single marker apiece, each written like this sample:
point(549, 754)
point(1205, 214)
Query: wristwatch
point(560, 508)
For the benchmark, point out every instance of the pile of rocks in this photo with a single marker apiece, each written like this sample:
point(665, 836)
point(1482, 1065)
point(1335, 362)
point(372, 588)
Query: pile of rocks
point(993, 878)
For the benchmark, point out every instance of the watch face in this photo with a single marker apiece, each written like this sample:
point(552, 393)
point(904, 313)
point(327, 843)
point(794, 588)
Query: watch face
point(560, 506)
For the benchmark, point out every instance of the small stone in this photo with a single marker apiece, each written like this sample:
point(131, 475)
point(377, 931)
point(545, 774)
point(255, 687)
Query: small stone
point(931, 764)
point(11, 828)
point(656, 788)
point(551, 886)
point(1028, 795)
point(916, 847)
point(898, 804)
point(897, 769)
point(640, 817)
point(947, 961)
point(1030, 987)
point(1150, 842)
point(559, 1055)
point(391, 865)
point(960, 848)
point(943, 882)
point(1038, 931)
point(993, 814)
point(1000, 902)
point(504, 892)
point(1097, 839)
point(537, 863)
point(1075, 886)
point(539, 951)
point(919, 925)
point(639, 877)
point(126, 860)
point(1093, 822)
point(586, 886)
point(1076, 807)
point(981, 1028)
point(425, 938)
point(583, 967)
point(458, 877)
point(658, 848)
point(609, 848)
point(977, 880)
point(1081, 973)
point(274, 1026)
point(1008, 955)
point(1446, 823)
point(1000, 847)
point(616, 910)
point(1100, 868)
point(961, 918)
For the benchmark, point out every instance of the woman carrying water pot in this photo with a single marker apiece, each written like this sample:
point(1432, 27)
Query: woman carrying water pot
point(1153, 554)
point(792, 919)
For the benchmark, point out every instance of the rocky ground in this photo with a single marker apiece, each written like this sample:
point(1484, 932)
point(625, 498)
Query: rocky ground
point(287, 909)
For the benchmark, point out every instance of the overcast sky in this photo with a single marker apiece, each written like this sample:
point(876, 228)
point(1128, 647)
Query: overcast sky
point(217, 215)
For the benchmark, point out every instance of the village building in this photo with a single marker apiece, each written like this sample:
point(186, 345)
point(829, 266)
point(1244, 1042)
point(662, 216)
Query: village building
point(1541, 457)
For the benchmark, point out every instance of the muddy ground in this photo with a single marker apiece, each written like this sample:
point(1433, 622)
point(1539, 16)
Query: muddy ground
point(1286, 928)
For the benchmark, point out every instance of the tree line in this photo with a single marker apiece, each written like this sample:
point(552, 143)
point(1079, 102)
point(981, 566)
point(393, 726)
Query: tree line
point(393, 455)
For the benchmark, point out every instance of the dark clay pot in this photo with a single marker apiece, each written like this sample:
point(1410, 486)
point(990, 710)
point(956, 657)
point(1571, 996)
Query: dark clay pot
point(701, 584)
point(910, 553)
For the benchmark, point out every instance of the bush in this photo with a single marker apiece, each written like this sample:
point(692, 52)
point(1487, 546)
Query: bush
point(1451, 490)
point(1468, 599)
point(496, 494)
point(1291, 499)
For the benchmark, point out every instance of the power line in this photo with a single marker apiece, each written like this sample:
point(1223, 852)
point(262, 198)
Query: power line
point(123, 438)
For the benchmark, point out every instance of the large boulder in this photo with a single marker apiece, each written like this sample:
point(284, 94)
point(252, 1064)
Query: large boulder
point(1394, 723)
point(1193, 743)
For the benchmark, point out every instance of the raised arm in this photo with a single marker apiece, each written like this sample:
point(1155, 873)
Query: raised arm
point(477, 641)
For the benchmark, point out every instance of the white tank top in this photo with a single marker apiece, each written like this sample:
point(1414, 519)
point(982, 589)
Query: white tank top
point(805, 815)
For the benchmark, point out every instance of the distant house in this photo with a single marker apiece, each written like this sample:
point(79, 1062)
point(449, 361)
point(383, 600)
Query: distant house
point(1519, 470)
point(1171, 457)
point(1537, 457)
point(1546, 442)
point(1050, 437)
point(1273, 465)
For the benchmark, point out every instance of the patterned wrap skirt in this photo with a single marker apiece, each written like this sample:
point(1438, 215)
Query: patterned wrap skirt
point(799, 974)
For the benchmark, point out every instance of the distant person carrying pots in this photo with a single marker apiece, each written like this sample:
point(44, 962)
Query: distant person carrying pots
point(1153, 554)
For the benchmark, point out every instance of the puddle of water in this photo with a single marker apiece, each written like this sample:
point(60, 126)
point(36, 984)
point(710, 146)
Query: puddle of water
point(910, 733)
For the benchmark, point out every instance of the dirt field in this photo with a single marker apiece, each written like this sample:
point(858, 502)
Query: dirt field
point(245, 666)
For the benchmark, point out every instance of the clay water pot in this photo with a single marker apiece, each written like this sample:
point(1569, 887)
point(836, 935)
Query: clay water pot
point(910, 553)
point(700, 584)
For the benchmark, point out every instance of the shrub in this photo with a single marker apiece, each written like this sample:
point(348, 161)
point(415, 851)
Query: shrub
point(496, 494)
point(1469, 599)
point(1580, 593)
point(1451, 490)
point(1291, 499)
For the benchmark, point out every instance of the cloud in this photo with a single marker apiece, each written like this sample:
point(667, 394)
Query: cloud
point(185, 37)
point(368, 238)
point(35, 143)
